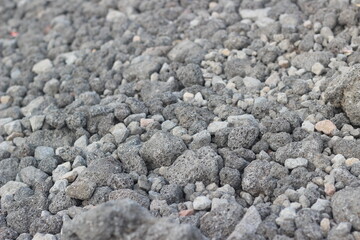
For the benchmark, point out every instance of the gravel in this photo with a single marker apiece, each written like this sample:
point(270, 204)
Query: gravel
point(183, 119)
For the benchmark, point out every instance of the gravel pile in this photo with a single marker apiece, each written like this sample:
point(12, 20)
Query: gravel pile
point(184, 120)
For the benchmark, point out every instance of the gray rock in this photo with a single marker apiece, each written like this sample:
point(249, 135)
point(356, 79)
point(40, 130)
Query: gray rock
point(342, 92)
point(257, 178)
point(10, 188)
point(346, 206)
point(51, 87)
point(142, 68)
point(81, 189)
point(120, 132)
point(308, 149)
point(100, 195)
point(186, 52)
point(216, 126)
point(248, 224)
point(120, 181)
point(202, 203)
point(243, 136)
point(192, 166)
point(14, 126)
point(200, 140)
point(230, 176)
point(43, 152)
point(292, 163)
point(61, 201)
point(190, 75)
point(42, 66)
point(50, 224)
point(128, 155)
point(162, 149)
point(252, 83)
point(8, 170)
point(220, 222)
point(25, 209)
point(130, 194)
point(308, 59)
point(136, 223)
point(172, 193)
point(100, 170)
point(37, 122)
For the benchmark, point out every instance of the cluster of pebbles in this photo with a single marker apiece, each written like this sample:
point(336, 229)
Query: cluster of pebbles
point(179, 119)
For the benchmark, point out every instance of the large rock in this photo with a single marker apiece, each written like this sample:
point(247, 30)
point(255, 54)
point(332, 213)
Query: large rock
point(162, 149)
point(346, 206)
point(128, 221)
point(343, 91)
point(201, 165)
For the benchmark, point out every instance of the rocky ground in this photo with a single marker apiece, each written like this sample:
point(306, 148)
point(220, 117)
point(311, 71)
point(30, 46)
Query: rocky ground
point(179, 119)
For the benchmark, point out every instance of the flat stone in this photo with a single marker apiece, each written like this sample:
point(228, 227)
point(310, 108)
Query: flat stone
point(292, 163)
point(10, 188)
point(42, 66)
point(202, 203)
point(325, 126)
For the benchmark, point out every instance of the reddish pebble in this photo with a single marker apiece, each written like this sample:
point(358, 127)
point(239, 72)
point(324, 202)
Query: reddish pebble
point(184, 213)
point(330, 189)
point(144, 122)
point(14, 34)
point(325, 126)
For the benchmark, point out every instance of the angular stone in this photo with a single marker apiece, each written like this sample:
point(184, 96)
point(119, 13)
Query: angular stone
point(292, 163)
point(10, 188)
point(162, 149)
point(248, 224)
point(202, 203)
point(81, 189)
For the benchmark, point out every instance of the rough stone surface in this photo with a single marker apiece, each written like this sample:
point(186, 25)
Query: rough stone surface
point(345, 206)
point(162, 149)
point(200, 165)
point(137, 222)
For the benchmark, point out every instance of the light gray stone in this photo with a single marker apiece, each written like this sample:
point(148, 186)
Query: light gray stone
point(202, 203)
point(248, 224)
point(292, 163)
point(42, 153)
point(42, 66)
